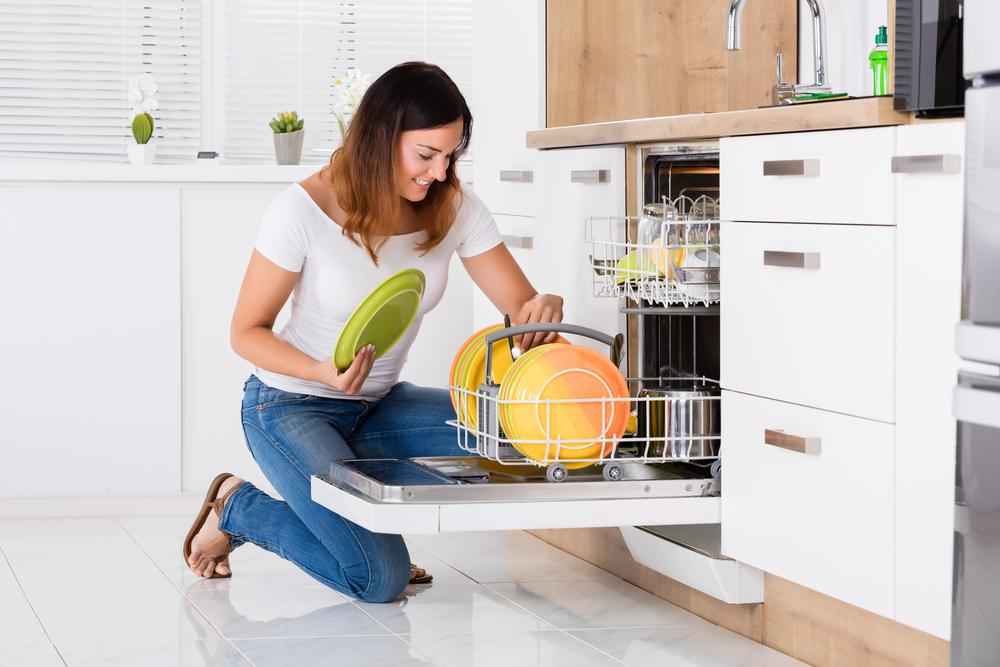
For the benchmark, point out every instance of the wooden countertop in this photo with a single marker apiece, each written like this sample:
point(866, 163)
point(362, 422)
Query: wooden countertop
point(861, 112)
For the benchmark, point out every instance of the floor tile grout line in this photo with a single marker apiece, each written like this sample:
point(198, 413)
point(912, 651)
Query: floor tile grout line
point(182, 593)
point(27, 601)
point(557, 629)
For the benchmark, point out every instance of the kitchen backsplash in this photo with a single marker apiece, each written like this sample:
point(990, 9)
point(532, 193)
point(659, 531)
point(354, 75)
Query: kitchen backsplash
point(850, 28)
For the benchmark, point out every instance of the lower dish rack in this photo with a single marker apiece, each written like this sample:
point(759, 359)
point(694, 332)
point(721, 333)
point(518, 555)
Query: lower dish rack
point(671, 420)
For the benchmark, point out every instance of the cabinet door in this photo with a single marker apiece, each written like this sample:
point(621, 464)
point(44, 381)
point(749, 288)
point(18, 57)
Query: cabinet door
point(219, 225)
point(579, 183)
point(929, 194)
point(821, 517)
point(509, 101)
point(91, 344)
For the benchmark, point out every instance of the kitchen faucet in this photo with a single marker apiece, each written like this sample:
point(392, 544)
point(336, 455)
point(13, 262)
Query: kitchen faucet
point(786, 93)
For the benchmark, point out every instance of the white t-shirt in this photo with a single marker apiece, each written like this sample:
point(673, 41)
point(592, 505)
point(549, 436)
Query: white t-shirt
point(336, 275)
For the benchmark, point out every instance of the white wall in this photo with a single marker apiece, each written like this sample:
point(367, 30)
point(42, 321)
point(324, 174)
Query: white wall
point(850, 30)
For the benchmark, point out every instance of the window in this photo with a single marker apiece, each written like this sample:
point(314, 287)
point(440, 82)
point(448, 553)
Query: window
point(64, 69)
point(284, 56)
point(65, 66)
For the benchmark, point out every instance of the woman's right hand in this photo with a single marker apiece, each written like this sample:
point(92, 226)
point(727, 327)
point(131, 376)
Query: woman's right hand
point(350, 380)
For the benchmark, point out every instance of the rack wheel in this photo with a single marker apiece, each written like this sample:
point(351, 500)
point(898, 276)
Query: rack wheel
point(556, 473)
point(716, 468)
point(613, 471)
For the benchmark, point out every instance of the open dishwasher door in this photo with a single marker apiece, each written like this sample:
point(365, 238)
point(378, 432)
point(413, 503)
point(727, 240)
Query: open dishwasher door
point(437, 495)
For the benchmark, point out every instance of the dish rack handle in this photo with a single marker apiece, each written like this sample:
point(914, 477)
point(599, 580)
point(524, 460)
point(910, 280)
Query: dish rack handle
point(558, 327)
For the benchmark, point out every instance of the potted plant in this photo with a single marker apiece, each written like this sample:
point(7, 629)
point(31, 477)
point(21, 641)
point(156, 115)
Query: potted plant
point(288, 134)
point(142, 95)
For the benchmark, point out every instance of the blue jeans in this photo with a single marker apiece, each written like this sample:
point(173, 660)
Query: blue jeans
point(295, 436)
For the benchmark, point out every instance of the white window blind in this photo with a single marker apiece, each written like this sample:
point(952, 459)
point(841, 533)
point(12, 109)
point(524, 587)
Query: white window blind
point(64, 69)
point(283, 57)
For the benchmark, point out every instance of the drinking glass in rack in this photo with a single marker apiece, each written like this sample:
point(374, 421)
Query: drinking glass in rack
point(670, 256)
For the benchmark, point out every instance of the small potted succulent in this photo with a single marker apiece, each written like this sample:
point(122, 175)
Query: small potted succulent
point(142, 95)
point(288, 134)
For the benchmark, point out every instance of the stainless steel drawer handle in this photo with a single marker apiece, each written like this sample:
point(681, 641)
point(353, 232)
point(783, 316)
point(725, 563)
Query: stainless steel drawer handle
point(523, 242)
point(509, 176)
point(590, 176)
point(791, 167)
point(792, 260)
point(926, 164)
point(778, 438)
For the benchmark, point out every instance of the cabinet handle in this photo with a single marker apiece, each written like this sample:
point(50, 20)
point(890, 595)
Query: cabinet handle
point(516, 176)
point(977, 406)
point(523, 242)
point(778, 438)
point(793, 260)
point(791, 167)
point(926, 164)
point(590, 176)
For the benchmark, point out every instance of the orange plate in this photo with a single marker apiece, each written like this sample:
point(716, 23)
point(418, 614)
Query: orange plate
point(571, 374)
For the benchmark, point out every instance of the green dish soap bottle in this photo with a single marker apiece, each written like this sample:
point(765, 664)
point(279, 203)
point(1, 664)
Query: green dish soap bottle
point(878, 60)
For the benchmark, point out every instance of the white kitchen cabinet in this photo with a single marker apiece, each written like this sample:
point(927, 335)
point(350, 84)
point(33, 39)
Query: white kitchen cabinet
point(509, 101)
point(929, 192)
point(218, 228)
point(822, 517)
point(807, 315)
point(92, 381)
point(579, 183)
point(838, 176)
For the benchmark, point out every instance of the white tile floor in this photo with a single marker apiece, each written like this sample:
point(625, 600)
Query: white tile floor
point(115, 592)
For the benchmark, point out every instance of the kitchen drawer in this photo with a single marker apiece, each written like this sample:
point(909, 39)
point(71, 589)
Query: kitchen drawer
point(842, 176)
point(508, 181)
point(822, 519)
point(821, 337)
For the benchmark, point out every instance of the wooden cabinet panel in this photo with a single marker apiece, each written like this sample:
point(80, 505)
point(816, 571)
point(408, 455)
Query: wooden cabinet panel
point(618, 59)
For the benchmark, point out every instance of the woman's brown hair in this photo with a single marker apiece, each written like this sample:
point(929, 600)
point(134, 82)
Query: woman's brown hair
point(410, 96)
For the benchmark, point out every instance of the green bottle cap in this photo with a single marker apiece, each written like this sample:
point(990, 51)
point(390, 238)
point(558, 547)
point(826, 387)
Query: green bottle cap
point(883, 36)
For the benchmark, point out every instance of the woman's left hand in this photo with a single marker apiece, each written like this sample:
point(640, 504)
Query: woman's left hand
point(540, 308)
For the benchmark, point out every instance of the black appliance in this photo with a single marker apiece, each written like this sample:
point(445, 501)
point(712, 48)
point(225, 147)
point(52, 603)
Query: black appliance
point(928, 57)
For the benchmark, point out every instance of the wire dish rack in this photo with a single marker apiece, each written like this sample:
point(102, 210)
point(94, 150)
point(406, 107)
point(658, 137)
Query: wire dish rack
point(673, 260)
point(668, 420)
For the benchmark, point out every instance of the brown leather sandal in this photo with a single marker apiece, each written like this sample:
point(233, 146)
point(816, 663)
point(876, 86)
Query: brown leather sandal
point(418, 578)
point(212, 501)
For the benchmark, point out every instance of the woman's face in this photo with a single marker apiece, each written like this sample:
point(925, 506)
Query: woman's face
point(423, 157)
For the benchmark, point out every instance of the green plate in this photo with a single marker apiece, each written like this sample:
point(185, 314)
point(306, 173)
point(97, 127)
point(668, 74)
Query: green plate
point(382, 318)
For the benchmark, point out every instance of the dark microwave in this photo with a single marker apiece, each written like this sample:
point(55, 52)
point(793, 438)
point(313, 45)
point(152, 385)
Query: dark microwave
point(928, 57)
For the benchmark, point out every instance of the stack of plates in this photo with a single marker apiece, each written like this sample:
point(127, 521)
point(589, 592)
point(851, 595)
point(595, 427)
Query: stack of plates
point(577, 404)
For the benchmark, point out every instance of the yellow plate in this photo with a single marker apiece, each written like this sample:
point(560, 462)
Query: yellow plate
point(560, 373)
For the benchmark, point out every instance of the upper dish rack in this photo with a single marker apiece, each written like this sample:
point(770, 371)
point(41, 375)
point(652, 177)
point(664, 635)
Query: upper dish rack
point(671, 259)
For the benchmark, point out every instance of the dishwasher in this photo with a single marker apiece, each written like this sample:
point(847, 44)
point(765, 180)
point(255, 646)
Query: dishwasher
point(660, 271)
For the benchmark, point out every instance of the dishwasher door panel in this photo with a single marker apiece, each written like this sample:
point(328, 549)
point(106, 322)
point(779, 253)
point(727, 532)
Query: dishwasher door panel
point(515, 499)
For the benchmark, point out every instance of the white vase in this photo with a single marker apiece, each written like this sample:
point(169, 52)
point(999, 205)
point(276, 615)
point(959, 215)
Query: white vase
point(142, 153)
point(288, 146)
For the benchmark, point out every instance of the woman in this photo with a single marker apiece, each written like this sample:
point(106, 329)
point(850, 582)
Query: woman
point(389, 200)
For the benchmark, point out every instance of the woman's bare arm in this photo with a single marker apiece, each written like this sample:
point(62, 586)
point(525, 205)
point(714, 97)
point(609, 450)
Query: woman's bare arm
point(497, 273)
point(266, 287)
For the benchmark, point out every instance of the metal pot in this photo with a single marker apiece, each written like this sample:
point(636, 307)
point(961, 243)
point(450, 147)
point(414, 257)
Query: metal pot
point(680, 421)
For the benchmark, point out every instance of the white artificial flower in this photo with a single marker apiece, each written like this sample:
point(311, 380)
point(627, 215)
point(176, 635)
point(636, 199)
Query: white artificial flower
point(348, 88)
point(142, 94)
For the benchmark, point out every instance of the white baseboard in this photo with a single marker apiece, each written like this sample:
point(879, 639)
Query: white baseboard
point(109, 506)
